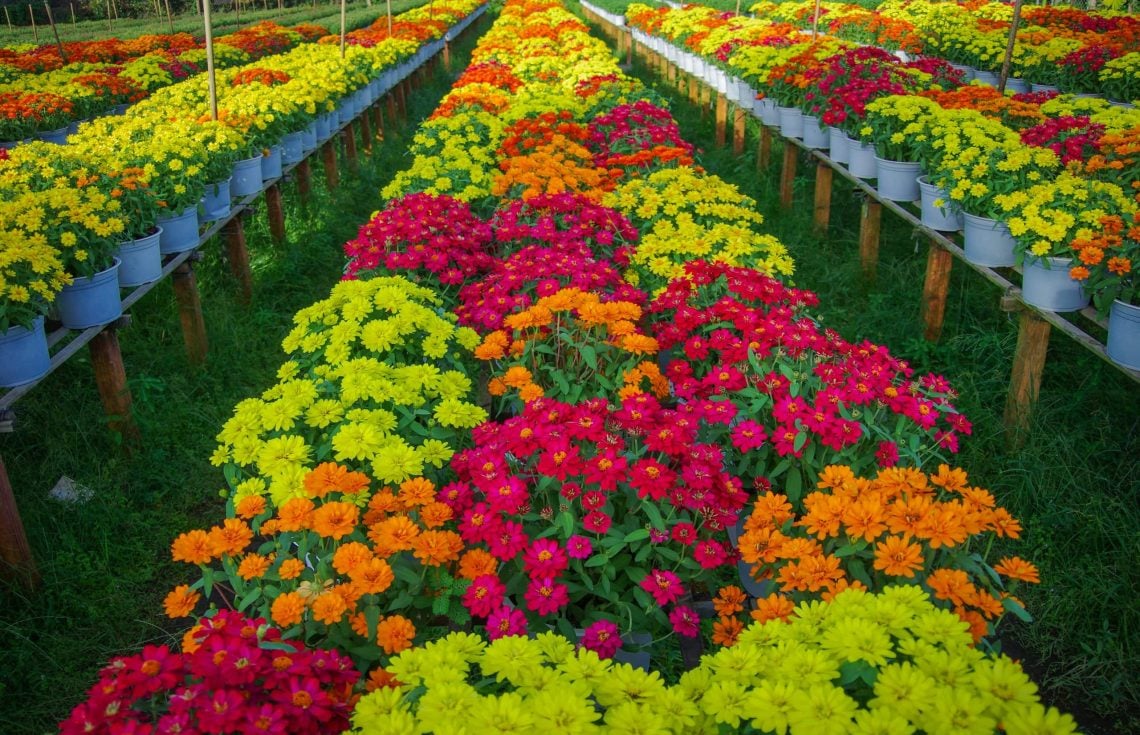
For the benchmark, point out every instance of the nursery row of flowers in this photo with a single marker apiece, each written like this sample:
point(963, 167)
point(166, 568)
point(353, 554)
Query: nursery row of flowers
point(49, 105)
point(566, 396)
point(1079, 51)
point(1036, 179)
point(72, 214)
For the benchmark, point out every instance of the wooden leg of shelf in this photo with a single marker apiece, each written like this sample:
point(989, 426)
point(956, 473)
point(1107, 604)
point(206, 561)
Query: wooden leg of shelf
point(328, 152)
point(788, 175)
point(694, 91)
point(1025, 379)
point(721, 119)
point(16, 561)
point(350, 146)
point(111, 379)
point(738, 125)
point(935, 290)
point(764, 149)
point(391, 107)
point(447, 56)
point(275, 212)
point(823, 179)
point(238, 255)
point(185, 285)
point(366, 131)
point(869, 221)
point(378, 121)
point(304, 176)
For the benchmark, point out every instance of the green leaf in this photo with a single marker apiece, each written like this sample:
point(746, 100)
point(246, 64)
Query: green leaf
point(249, 598)
point(794, 486)
point(565, 523)
point(639, 534)
point(654, 515)
point(589, 356)
point(372, 618)
point(597, 560)
point(441, 605)
point(1015, 607)
point(859, 572)
point(849, 549)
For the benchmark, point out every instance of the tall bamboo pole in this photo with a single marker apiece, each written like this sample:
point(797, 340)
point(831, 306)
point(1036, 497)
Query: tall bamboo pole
point(108, 15)
point(343, 5)
point(55, 31)
point(169, 17)
point(815, 21)
point(1005, 63)
point(211, 81)
point(32, 15)
point(8, 17)
point(389, 18)
point(72, 13)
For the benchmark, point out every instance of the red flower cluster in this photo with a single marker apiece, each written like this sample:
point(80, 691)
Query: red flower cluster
point(437, 235)
point(1071, 138)
point(839, 90)
point(641, 137)
point(234, 675)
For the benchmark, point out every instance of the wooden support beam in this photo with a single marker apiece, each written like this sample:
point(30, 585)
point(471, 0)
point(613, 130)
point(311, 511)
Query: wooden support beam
point(738, 126)
point(671, 73)
point(328, 153)
point(392, 106)
point(706, 98)
point(366, 131)
point(764, 149)
point(111, 379)
point(303, 174)
point(822, 215)
point(349, 134)
point(694, 91)
point(869, 222)
point(721, 119)
point(378, 121)
point(447, 56)
point(788, 175)
point(629, 49)
point(238, 255)
point(275, 213)
point(1025, 380)
point(935, 289)
point(18, 564)
point(190, 313)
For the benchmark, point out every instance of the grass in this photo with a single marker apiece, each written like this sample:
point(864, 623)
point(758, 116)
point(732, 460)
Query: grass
point(1075, 482)
point(106, 563)
point(358, 16)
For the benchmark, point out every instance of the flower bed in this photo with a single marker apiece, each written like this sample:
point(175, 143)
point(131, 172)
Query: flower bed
point(373, 505)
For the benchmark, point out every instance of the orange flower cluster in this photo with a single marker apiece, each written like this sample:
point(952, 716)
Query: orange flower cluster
point(267, 77)
point(1118, 160)
point(546, 154)
point(473, 97)
point(903, 523)
point(492, 73)
point(635, 378)
point(350, 572)
point(1108, 243)
point(990, 103)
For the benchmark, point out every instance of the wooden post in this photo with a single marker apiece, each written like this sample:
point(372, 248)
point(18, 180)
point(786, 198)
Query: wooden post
point(109, 14)
point(169, 16)
point(935, 289)
point(366, 130)
point(349, 134)
point(822, 215)
point(629, 50)
point(72, 13)
point(764, 149)
point(211, 81)
point(391, 106)
point(378, 122)
point(869, 222)
point(303, 173)
point(447, 56)
point(15, 551)
point(328, 153)
point(343, 3)
point(671, 73)
point(190, 313)
point(8, 17)
point(694, 91)
point(111, 379)
point(1025, 380)
point(788, 175)
point(738, 123)
point(275, 213)
point(238, 255)
point(721, 119)
point(32, 15)
point(1007, 59)
point(55, 31)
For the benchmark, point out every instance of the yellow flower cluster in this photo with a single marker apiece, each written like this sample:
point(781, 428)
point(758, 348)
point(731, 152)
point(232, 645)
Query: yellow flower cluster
point(863, 663)
point(376, 380)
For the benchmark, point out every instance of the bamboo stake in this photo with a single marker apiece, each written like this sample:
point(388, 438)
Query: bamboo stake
point(72, 13)
point(389, 18)
point(343, 3)
point(55, 31)
point(211, 80)
point(8, 17)
point(1005, 63)
point(169, 17)
point(32, 15)
point(815, 22)
point(108, 14)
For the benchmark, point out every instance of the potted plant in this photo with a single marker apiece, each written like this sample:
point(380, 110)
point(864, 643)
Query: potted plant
point(1108, 259)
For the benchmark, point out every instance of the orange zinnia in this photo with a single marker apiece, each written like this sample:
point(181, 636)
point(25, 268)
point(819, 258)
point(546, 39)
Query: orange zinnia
point(435, 514)
point(729, 601)
point(350, 556)
point(476, 563)
point(329, 608)
point(372, 577)
point(395, 633)
point(1014, 567)
point(295, 514)
point(253, 566)
point(416, 492)
point(897, 557)
point(291, 569)
point(250, 507)
point(773, 607)
point(329, 476)
point(952, 479)
point(192, 547)
point(517, 376)
point(393, 534)
point(287, 609)
point(437, 547)
point(335, 520)
point(231, 537)
point(726, 630)
point(180, 602)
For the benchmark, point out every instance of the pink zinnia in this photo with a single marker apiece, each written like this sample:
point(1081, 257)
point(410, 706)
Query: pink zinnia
point(579, 547)
point(748, 435)
point(504, 622)
point(545, 596)
point(484, 595)
point(685, 621)
point(663, 585)
point(544, 558)
point(596, 522)
point(602, 638)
